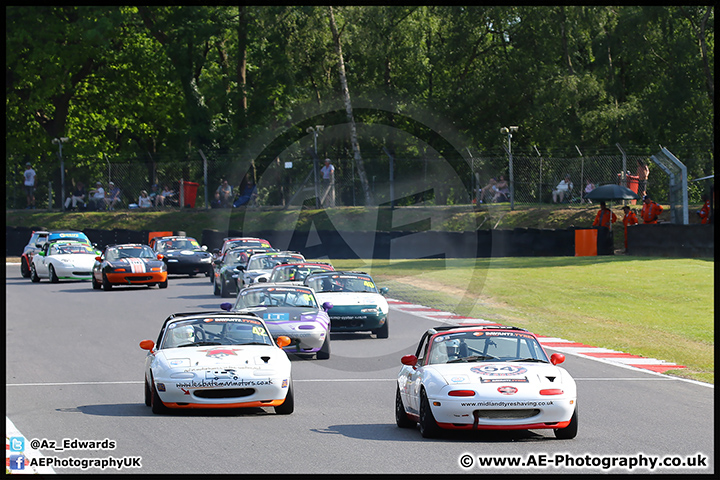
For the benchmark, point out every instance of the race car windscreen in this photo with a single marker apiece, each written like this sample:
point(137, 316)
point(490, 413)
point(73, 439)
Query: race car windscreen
point(342, 283)
point(481, 346)
point(232, 258)
point(135, 251)
point(275, 297)
point(215, 331)
point(70, 249)
point(177, 244)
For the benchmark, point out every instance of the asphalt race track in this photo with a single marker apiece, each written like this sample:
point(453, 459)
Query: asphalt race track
point(74, 370)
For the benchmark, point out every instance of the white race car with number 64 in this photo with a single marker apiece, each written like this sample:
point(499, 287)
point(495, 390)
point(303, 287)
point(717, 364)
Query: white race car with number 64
point(470, 377)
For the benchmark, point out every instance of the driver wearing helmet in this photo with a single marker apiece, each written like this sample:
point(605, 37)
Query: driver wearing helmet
point(238, 333)
point(183, 335)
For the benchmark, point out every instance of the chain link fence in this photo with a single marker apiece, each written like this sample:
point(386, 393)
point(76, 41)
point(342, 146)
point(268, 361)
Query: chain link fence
point(293, 179)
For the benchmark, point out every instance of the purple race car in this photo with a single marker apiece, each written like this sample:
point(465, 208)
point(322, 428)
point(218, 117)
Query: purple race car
point(289, 310)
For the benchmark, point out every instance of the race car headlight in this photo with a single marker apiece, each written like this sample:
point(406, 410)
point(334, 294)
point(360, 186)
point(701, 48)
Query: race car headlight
point(156, 269)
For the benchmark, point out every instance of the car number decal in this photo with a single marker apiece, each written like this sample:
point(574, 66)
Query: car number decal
point(499, 370)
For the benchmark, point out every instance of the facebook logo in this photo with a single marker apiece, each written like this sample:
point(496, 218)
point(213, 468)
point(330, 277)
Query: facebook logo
point(17, 444)
point(17, 462)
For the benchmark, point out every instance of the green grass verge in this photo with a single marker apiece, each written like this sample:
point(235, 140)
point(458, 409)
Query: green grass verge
point(654, 307)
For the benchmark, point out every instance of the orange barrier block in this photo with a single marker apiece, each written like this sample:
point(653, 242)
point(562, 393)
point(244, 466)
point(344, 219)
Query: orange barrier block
point(586, 243)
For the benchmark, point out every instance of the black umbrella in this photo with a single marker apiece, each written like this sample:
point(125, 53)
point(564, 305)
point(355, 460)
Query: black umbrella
point(612, 192)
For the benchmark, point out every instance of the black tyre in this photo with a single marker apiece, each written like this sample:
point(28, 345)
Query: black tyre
point(148, 394)
point(216, 289)
point(324, 352)
point(224, 290)
point(157, 406)
point(571, 430)
point(24, 268)
point(288, 406)
point(33, 274)
point(106, 285)
point(163, 284)
point(95, 284)
point(53, 276)
point(401, 418)
point(384, 331)
point(428, 426)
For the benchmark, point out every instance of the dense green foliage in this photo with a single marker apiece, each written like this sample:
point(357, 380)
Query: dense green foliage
point(130, 82)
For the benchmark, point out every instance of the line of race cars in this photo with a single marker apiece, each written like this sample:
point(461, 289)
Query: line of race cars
point(461, 377)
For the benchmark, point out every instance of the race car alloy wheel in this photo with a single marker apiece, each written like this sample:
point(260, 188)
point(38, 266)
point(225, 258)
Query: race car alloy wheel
point(324, 352)
point(53, 276)
point(428, 426)
point(288, 406)
point(571, 430)
point(106, 285)
point(33, 274)
point(401, 417)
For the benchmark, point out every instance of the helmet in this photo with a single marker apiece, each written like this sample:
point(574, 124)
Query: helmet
point(182, 335)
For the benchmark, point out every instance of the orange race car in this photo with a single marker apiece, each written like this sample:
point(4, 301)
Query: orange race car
point(129, 264)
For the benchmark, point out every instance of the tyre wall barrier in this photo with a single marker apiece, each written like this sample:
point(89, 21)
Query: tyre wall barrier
point(664, 240)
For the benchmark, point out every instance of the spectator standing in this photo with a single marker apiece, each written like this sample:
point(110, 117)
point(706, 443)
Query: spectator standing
point(78, 195)
point(113, 196)
point(629, 219)
point(30, 182)
point(562, 189)
point(224, 194)
point(328, 183)
point(650, 210)
point(144, 200)
point(97, 197)
point(643, 171)
point(704, 212)
point(604, 217)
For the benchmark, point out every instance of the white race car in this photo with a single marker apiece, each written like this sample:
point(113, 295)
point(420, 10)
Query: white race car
point(358, 305)
point(63, 260)
point(217, 360)
point(469, 377)
point(260, 265)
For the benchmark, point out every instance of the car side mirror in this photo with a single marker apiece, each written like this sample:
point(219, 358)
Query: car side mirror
point(147, 345)
point(160, 256)
point(327, 306)
point(226, 306)
point(409, 360)
point(557, 358)
point(283, 341)
point(98, 258)
point(384, 290)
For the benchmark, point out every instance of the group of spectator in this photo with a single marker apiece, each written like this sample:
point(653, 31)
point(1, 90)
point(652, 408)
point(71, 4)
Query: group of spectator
point(497, 190)
point(225, 196)
point(100, 199)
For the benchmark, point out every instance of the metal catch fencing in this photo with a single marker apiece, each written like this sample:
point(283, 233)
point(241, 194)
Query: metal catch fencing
point(294, 179)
